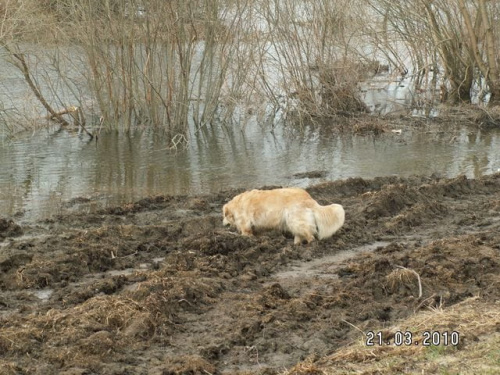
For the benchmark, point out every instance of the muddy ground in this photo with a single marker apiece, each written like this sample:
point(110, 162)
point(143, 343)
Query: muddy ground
point(160, 287)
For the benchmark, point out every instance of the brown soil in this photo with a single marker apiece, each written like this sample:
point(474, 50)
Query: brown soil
point(160, 287)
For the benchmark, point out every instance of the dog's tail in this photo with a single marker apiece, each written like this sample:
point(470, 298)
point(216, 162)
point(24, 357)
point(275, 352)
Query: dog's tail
point(329, 219)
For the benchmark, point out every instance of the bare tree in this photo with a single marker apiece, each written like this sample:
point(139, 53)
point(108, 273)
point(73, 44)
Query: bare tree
point(463, 33)
point(311, 68)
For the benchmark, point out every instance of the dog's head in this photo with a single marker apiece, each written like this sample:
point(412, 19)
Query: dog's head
point(228, 217)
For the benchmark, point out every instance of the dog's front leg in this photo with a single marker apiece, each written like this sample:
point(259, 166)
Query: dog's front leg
point(245, 229)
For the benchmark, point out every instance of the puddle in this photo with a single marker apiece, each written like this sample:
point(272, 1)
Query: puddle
point(132, 287)
point(25, 237)
point(125, 272)
point(326, 267)
point(43, 294)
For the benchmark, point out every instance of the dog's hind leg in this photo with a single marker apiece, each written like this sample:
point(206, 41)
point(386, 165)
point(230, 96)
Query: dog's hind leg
point(301, 223)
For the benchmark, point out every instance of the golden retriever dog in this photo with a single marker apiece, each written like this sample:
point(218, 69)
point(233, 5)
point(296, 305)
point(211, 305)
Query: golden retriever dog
point(287, 209)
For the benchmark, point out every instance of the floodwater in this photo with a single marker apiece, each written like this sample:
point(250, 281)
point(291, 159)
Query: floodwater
point(46, 172)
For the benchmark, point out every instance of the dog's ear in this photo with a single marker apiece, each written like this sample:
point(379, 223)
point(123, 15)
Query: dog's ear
point(227, 216)
point(227, 212)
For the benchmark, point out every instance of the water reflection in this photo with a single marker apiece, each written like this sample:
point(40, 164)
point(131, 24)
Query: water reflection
point(40, 172)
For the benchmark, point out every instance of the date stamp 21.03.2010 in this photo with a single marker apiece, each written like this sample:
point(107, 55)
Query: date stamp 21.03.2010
point(408, 338)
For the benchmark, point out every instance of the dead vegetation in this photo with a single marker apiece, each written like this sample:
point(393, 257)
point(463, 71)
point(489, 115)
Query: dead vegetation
point(178, 65)
point(474, 319)
point(183, 66)
point(403, 277)
point(139, 288)
point(9, 229)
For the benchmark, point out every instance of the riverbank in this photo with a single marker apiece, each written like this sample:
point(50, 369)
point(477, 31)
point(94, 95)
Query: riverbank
point(160, 287)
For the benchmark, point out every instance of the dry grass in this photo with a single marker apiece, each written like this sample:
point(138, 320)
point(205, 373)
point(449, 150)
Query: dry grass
point(26, 334)
point(476, 321)
point(368, 125)
point(87, 333)
point(305, 368)
point(405, 277)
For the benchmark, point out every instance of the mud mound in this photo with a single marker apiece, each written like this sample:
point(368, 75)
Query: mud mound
point(442, 272)
point(311, 174)
point(356, 186)
point(415, 215)
point(391, 201)
point(159, 286)
point(9, 229)
point(219, 243)
point(106, 326)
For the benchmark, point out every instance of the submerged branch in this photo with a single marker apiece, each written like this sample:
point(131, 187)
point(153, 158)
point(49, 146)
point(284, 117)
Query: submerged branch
point(27, 77)
point(78, 118)
point(75, 112)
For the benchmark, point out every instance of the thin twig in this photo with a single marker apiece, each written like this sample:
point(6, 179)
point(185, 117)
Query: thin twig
point(352, 325)
point(418, 278)
point(82, 122)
